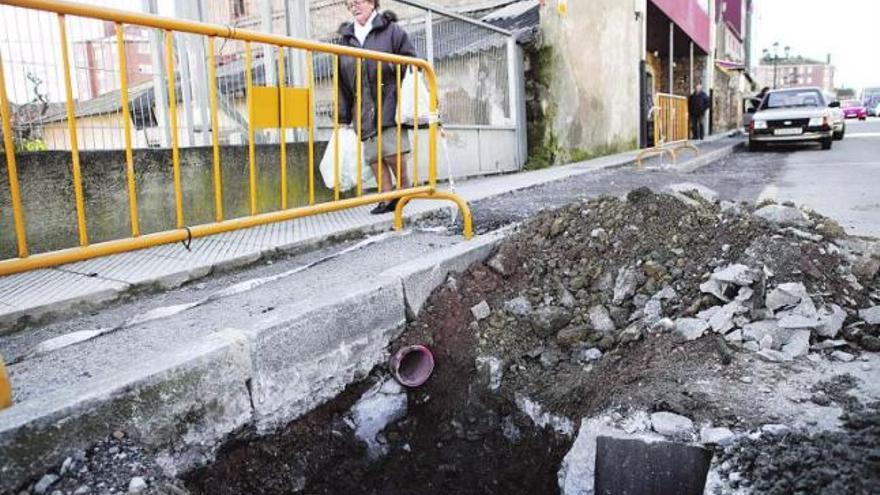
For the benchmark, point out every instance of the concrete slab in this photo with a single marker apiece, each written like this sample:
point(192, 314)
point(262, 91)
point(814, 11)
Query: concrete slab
point(420, 277)
point(309, 356)
point(182, 405)
point(141, 268)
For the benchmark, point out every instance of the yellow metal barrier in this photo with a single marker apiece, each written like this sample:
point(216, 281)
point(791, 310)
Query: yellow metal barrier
point(670, 128)
point(278, 107)
point(5, 387)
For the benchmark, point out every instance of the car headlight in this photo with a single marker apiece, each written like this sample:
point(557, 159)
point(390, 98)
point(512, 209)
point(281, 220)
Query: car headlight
point(760, 124)
point(817, 122)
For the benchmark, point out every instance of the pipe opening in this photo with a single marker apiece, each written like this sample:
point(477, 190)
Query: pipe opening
point(412, 365)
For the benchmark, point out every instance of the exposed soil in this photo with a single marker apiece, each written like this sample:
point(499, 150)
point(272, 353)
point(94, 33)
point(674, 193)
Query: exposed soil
point(462, 435)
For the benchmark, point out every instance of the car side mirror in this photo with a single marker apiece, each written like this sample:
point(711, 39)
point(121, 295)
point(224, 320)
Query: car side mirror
point(834, 104)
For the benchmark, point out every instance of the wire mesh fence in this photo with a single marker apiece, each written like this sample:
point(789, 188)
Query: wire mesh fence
point(471, 63)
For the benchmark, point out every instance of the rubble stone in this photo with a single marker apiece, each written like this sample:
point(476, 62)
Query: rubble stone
point(722, 320)
point(831, 321)
point(551, 319)
point(870, 343)
point(786, 295)
point(481, 311)
point(601, 320)
point(697, 190)
point(520, 306)
point(842, 356)
point(783, 215)
point(719, 436)
point(672, 425)
point(735, 274)
point(798, 344)
point(691, 328)
point(773, 356)
point(870, 315)
point(628, 280)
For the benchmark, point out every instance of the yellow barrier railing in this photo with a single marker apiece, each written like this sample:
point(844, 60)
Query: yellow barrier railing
point(670, 127)
point(5, 387)
point(280, 108)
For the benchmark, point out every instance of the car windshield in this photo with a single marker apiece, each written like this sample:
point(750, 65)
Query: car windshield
point(851, 103)
point(793, 99)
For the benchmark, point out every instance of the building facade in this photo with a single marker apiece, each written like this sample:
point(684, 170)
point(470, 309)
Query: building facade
point(796, 72)
point(97, 61)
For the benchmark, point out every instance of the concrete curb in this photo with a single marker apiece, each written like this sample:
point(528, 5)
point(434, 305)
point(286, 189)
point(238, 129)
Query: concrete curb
point(185, 406)
point(181, 406)
point(702, 160)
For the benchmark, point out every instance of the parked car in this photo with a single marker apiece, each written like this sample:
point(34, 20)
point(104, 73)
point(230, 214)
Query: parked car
point(877, 110)
point(853, 109)
point(793, 115)
point(837, 120)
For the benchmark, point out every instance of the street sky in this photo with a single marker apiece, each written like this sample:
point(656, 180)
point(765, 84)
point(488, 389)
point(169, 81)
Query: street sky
point(847, 29)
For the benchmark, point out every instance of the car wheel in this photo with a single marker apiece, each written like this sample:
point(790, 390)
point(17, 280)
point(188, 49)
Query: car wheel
point(755, 145)
point(826, 143)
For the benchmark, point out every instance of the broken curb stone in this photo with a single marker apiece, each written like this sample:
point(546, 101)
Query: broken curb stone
point(481, 311)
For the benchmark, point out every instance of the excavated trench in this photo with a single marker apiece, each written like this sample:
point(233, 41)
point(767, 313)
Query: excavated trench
point(562, 364)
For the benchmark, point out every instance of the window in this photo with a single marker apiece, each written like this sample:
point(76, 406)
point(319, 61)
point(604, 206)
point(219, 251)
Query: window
point(793, 98)
point(237, 8)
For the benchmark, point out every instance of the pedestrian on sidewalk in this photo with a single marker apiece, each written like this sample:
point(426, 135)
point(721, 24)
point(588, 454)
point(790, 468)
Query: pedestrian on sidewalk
point(372, 30)
point(698, 103)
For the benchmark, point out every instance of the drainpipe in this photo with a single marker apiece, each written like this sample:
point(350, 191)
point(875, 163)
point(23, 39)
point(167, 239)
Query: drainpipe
point(159, 77)
point(709, 79)
point(671, 56)
point(641, 18)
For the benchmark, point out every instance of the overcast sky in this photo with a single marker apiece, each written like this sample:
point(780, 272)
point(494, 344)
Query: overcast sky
point(847, 29)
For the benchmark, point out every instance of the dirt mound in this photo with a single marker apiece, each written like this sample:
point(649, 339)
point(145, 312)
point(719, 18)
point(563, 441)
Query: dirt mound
point(653, 302)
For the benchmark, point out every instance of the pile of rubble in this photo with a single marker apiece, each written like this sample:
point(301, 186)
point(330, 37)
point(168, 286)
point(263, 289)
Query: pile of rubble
point(648, 316)
point(774, 280)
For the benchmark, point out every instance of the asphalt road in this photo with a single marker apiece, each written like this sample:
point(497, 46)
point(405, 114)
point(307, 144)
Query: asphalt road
point(843, 183)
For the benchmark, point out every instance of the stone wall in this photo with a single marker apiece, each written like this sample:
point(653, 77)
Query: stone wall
point(582, 82)
point(47, 195)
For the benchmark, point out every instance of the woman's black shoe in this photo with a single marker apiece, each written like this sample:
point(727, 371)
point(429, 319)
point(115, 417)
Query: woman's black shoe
point(380, 209)
point(392, 205)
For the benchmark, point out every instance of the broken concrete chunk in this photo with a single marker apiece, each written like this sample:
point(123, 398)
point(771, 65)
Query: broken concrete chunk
point(499, 263)
point(690, 328)
point(628, 280)
point(744, 294)
point(755, 331)
point(708, 313)
point(672, 425)
point(798, 344)
point(798, 321)
point(775, 429)
point(481, 311)
point(766, 342)
point(551, 319)
point(751, 346)
point(736, 274)
point(828, 344)
point(783, 215)
point(601, 320)
point(715, 288)
point(831, 321)
point(773, 356)
point(870, 315)
point(653, 311)
point(380, 406)
point(722, 320)
point(520, 306)
point(734, 336)
point(718, 436)
point(786, 295)
point(695, 190)
point(842, 356)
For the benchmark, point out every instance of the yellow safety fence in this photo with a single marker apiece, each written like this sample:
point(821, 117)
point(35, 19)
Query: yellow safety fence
point(280, 107)
point(670, 127)
point(5, 387)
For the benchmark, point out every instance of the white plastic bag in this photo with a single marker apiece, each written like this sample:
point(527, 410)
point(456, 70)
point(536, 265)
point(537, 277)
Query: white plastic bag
point(348, 165)
point(408, 94)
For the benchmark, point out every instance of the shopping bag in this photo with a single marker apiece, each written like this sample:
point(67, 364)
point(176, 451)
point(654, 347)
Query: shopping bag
point(408, 97)
point(348, 162)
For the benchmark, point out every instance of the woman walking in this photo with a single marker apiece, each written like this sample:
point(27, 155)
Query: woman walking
point(372, 30)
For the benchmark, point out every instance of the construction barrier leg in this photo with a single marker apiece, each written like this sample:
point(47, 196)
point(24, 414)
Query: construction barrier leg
point(437, 195)
point(5, 387)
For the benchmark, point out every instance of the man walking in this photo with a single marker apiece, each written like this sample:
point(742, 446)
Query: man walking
point(698, 103)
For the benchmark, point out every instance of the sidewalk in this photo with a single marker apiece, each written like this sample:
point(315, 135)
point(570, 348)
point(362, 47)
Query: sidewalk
point(87, 284)
point(181, 370)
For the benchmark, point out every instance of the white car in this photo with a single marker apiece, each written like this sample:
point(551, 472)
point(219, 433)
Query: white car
point(793, 115)
point(837, 118)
